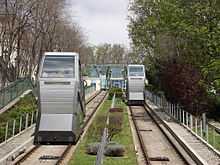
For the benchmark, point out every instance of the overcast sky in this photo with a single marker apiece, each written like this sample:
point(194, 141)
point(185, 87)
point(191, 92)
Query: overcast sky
point(102, 20)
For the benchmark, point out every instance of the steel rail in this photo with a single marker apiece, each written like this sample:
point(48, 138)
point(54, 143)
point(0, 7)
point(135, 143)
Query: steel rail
point(144, 150)
point(68, 148)
point(141, 141)
point(185, 147)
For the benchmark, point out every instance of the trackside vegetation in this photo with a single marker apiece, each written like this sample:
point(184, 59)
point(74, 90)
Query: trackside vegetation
point(25, 105)
point(180, 46)
point(120, 136)
point(15, 117)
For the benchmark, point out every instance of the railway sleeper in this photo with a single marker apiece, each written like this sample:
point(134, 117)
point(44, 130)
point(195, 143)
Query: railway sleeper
point(145, 130)
point(159, 158)
point(49, 157)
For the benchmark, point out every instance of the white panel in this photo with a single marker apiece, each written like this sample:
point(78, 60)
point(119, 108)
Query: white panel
point(57, 107)
point(136, 96)
point(56, 122)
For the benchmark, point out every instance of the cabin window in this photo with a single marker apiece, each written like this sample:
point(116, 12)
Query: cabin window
point(116, 73)
point(58, 67)
point(136, 71)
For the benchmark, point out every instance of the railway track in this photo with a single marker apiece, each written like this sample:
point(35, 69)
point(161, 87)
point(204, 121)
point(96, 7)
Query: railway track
point(156, 142)
point(56, 154)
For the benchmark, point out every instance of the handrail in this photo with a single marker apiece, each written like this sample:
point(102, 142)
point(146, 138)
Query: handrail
point(14, 90)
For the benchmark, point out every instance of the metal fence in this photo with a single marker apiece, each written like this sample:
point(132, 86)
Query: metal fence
point(16, 126)
point(196, 125)
point(14, 90)
point(89, 89)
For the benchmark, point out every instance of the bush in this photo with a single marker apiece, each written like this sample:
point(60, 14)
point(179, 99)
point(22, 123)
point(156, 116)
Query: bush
point(117, 91)
point(112, 149)
point(182, 84)
point(92, 148)
point(115, 123)
point(97, 127)
point(115, 150)
point(112, 110)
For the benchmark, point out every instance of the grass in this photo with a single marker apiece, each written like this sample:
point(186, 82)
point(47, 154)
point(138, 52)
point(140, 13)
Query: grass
point(25, 105)
point(213, 138)
point(124, 138)
point(216, 145)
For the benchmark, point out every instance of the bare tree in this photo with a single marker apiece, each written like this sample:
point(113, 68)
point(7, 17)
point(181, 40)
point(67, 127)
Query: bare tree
point(28, 28)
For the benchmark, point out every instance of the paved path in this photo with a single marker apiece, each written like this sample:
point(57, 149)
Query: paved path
point(16, 142)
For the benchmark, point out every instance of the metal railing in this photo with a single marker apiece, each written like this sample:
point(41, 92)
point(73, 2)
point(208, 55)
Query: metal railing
point(14, 90)
point(195, 124)
point(89, 90)
point(16, 126)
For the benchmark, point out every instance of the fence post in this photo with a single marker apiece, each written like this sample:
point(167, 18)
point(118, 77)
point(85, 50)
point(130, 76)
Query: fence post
point(213, 130)
point(180, 114)
point(161, 102)
point(191, 121)
point(207, 133)
point(201, 128)
point(172, 109)
point(187, 119)
point(26, 120)
point(204, 122)
point(183, 117)
point(6, 131)
point(169, 105)
point(196, 124)
point(177, 112)
point(13, 131)
point(32, 117)
point(20, 124)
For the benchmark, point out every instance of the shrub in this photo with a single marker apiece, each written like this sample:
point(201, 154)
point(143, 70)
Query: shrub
point(182, 84)
point(97, 127)
point(111, 149)
point(115, 124)
point(112, 110)
point(92, 148)
point(117, 91)
point(115, 150)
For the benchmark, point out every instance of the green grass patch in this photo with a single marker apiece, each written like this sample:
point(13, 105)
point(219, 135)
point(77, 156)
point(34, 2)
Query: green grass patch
point(17, 114)
point(94, 135)
point(213, 137)
point(24, 105)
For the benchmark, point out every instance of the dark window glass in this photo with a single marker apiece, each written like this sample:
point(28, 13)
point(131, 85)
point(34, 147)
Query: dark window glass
point(58, 67)
point(136, 71)
point(116, 73)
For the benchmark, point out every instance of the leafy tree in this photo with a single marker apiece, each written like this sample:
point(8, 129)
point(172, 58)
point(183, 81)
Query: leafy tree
point(211, 74)
point(183, 31)
point(182, 84)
